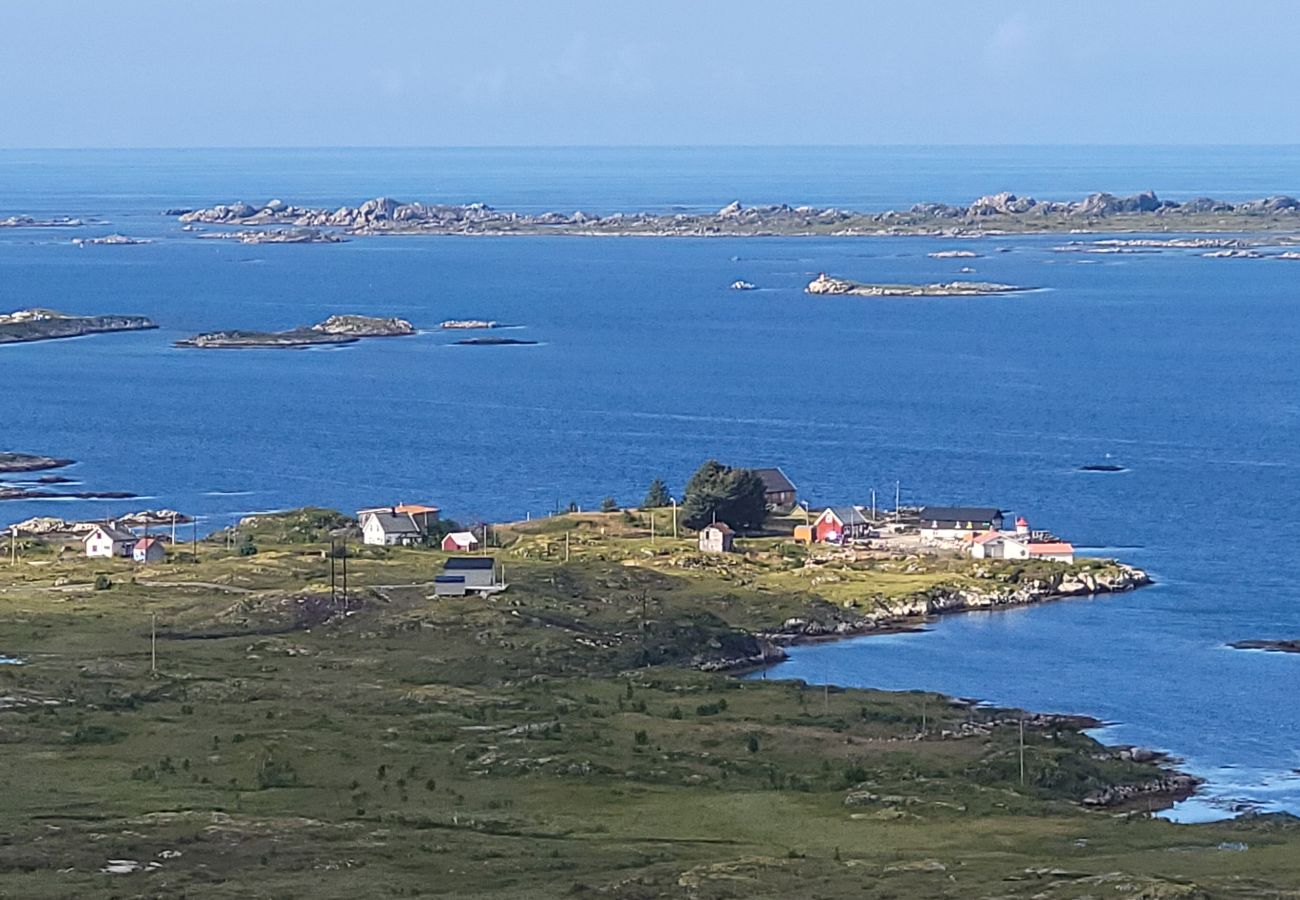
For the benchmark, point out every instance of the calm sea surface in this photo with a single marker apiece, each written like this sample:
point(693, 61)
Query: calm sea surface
point(1184, 369)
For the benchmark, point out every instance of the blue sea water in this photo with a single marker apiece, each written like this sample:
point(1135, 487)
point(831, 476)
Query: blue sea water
point(1182, 368)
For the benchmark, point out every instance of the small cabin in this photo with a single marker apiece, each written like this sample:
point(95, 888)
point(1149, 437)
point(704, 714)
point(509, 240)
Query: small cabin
point(149, 550)
point(717, 538)
point(460, 542)
point(475, 572)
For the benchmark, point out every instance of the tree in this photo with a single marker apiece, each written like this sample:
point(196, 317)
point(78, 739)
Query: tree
point(657, 496)
point(721, 493)
point(609, 504)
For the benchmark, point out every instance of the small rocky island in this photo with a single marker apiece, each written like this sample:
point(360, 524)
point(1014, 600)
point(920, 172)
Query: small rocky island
point(1004, 213)
point(110, 240)
point(11, 462)
point(335, 330)
point(277, 236)
point(825, 284)
point(1283, 646)
point(494, 342)
point(25, 325)
point(33, 222)
point(468, 324)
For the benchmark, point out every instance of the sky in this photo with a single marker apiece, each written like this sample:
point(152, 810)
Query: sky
point(230, 73)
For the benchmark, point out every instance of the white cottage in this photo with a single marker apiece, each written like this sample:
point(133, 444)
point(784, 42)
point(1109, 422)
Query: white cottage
point(109, 541)
point(717, 538)
point(149, 550)
point(387, 528)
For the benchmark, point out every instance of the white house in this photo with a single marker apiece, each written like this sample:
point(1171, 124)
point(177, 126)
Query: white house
point(388, 528)
point(149, 550)
point(717, 538)
point(1021, 544)
point(460, 542)
point(109, 541)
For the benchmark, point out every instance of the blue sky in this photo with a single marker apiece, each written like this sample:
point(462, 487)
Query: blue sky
point(155, 73)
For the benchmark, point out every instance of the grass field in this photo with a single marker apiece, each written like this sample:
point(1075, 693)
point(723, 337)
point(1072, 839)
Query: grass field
point(521, 746)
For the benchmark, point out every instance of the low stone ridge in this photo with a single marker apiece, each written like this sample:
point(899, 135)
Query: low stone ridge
point(27, 325)
point(32, 222)
point(277, 236)
point(825, 284)
point(494, 342)
point(1284, 646)
point(28, 462)
point(345, 329)
point(110, 240)
point(1004, 212)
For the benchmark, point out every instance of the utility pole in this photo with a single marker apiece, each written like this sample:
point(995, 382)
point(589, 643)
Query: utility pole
point(1022, 750)
point(898, 499)
point(13, 545)
point(153, 644)
point(345, 572)
point(332, 571)
point(566, 546)
point(873, 504)
point(674, 499)
point(652, 526)
point(924, 710)
point(173, 529)
point(645, 659)
point(194, 538)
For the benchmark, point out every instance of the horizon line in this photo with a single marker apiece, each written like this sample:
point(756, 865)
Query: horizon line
point(651, 146)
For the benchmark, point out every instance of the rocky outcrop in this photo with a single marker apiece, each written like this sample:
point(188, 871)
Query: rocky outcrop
point(1283, 646)
point(467, 324)
point(996, 212)
point(1170, 788)
point(880, 614)
point(364, 326)
point(46, 324)
point(345, 329)
point(825, 284)
point(110, 240)
point(32, 222)
point(27, 462)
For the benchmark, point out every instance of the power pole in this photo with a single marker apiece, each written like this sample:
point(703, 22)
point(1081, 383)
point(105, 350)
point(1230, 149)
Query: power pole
point(345, 572)
point(652, 526)
point(194, 538)
point(332, 570)
point(173, 529)
point(13, 545)
point(566, 546)
point(873, 504)
point(674, 499)
point(898, 499)
point(1022, 750)
point(153, 644)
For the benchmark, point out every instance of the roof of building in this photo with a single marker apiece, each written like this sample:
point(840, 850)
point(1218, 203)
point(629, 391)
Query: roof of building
point(470, 562)
point(111, 531)
point(415, 509)
point(847, 515)
point(720, 526)
point(1022, 522)
point(148, 542)
point(1046, 548)
point(463, 537)
point(448, 579)
point(960, 514)
point(775, 481)
point(989, 536)
point(391, 522)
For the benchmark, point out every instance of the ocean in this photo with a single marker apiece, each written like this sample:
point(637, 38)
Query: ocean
point(1181, 368)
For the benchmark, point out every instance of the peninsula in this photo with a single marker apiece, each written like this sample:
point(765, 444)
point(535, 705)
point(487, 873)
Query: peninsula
point(11, 462)
point(1282, 646)
point(824, 284)
point(27, 325)
point(575, 735)
point(335, 330)
point(1004, 213)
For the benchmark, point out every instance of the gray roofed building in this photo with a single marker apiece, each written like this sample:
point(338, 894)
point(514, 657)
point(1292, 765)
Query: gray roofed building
point(778, 490)
point(386, 528)
point(954, 521)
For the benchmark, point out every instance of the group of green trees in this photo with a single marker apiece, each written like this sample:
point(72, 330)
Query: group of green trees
point(716, 493)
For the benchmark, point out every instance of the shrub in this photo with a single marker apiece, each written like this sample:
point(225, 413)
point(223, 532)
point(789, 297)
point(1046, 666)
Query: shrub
point(103, 582)
point(752, 743)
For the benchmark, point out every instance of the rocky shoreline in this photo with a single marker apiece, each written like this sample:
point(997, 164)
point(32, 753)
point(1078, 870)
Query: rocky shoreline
point(1002, 213)
point(336, 330)
point(11, 462)
point(27, 325)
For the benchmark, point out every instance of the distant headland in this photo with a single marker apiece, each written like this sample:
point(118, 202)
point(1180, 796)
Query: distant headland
point(27, 325)
point(1004, 213)
point(335, 330)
